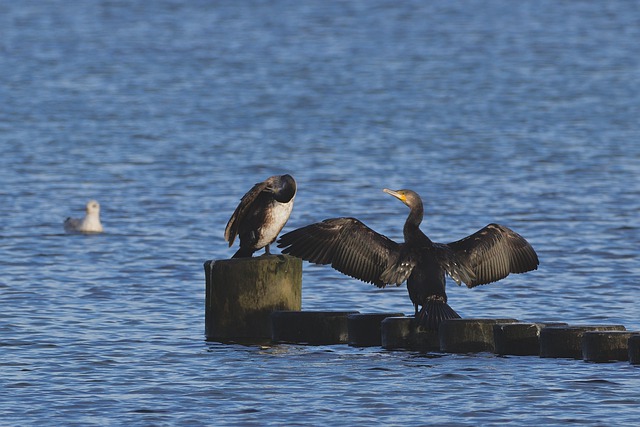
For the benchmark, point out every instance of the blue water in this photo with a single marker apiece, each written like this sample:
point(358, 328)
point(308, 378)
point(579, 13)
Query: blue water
point(523, 113)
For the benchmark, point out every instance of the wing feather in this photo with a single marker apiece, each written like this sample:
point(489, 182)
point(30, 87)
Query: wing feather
point(244, 207)
point(493, 252)
point(350, 247)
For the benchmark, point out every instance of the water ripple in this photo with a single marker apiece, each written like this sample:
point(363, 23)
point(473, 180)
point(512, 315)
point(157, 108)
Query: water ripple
point(166, 112)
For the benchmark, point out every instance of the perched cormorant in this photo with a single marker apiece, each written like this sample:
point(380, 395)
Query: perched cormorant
point(354, 249)
point(89, 224)
point(261, 214)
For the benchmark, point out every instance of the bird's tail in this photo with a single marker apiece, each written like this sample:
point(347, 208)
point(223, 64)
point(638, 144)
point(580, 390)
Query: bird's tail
point(434, 312)
point(243, 253)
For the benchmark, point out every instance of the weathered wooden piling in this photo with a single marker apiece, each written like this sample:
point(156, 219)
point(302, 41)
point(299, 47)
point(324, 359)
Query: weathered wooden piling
point(310, 327)
point(468, 335)
point(566, 341)
point(606, 346)
point(365, 328)
point(256, 300)
point(519, 339)
point(402, 333)
point(422, 339)
point(634, 350)
point(241, 294)
point(395, 331)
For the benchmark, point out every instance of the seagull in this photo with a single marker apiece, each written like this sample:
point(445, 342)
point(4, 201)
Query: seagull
point(89, 224)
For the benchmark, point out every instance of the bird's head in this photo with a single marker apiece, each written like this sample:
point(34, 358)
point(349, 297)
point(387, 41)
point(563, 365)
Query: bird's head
point(408, 197)
point(93, 207)
point(283, 187)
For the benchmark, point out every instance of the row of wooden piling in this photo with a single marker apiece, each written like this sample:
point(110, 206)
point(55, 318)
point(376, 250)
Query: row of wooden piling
point(394, 331)
point(258, 300)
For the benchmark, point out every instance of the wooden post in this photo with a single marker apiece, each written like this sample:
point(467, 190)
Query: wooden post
point(468, 335)
point(402, 333)
point(395, 332)
point(566, 341)
point(606, 346)
point(365, 329)
point(241, 294)
point(519, 339)
point(634, 350)
point(310, 327)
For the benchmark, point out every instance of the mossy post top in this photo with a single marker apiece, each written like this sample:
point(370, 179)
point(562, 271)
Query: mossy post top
point(241, 294)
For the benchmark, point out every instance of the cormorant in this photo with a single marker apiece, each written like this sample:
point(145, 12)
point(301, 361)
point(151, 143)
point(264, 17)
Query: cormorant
point(89, 224)
point(261, 214)
point(354, 249)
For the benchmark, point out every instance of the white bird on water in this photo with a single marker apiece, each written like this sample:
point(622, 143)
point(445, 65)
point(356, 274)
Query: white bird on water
point(89, 224)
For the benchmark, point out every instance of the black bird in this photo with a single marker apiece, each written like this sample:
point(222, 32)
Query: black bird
point(261, 214)
point(354, 249)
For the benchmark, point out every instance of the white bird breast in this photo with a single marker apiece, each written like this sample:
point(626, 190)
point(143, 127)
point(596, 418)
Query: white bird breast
point(279, 214)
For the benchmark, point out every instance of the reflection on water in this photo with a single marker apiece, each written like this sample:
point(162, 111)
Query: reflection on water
point(166, 113)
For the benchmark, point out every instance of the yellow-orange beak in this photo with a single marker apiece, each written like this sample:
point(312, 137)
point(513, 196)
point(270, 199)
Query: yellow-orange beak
point(397, 194)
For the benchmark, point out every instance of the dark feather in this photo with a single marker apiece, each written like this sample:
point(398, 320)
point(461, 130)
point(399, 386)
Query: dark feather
point(242, 211)
point(350, 247)
point(493, 252)
point(354, 249)
point(433, 312)
point(261, 214)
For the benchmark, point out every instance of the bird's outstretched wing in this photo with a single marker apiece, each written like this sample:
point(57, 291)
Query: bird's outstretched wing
point(352, 248)
point(244, 207)
point(493, 252)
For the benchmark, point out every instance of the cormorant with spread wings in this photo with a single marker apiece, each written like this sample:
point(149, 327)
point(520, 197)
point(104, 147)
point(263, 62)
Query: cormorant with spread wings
point(354, 249)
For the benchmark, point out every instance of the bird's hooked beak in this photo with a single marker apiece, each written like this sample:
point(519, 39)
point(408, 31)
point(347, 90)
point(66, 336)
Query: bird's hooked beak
point(397, 194)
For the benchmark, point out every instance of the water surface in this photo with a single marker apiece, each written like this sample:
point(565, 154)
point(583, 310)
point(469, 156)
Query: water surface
point(522, 113)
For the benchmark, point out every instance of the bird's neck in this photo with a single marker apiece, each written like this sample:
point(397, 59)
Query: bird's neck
point(412, 225)
point(92, 222)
